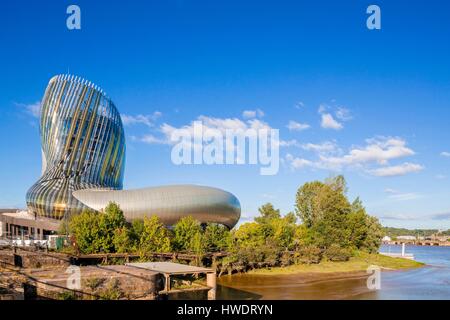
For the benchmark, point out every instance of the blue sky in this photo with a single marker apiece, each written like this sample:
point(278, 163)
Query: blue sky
point(377, 103)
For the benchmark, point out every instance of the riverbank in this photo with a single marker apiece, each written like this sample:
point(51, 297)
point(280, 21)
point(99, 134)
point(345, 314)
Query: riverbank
point(358, 263)
point(326, 280)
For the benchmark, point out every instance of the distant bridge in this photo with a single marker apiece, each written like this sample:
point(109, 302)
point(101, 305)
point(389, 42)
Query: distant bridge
point(420, 243)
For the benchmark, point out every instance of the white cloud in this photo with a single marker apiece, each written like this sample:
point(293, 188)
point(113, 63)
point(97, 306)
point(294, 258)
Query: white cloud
point(397, 216)
point(399, 170)
point(148, 120)
point(445, 154)
point(299, 105)
point(268, 196)
point(405, 196)
point(400, 216)
point(400, 196)
point(373, 158)
point(289, 143)
point(323, 147)
point(221, 124)
point(249, 114)
point(328, 122)
point(322, 108)
point(296, 126)
point(343, 114)
point(151, 139)
point(379, 150)
point(33, 109)
point(298, 163)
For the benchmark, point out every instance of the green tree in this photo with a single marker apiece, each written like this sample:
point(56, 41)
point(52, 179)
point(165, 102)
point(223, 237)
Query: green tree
point(267, 215)
point(154, 237)
point(85, 230)
point(123, 243)
point(111, 219)
point(302, 236)
point(373, 239)
point(249, 235)
point(135, 232)
point(197, 244)
point(323, 208)
point(267, 212)
point(95, 232)
point(217, 237)
point(307, 200)
point(357, 224)
point(365, 231)
point(337, 183)
point(283, 232)
point(185, 230)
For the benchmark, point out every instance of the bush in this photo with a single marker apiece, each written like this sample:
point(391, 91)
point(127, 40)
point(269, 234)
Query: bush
point(271, 255)
point(67, 295)
point(286, 259)
point(112, 291)
point(336, 253)
point(308, 255)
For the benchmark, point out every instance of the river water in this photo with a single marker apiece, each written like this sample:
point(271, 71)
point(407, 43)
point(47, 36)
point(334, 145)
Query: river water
point(429, 282)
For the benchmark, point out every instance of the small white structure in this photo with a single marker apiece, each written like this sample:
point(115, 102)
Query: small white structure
point(408, 238)
point(386, 239)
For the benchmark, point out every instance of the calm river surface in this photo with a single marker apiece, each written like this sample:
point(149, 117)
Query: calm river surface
point(429, 282)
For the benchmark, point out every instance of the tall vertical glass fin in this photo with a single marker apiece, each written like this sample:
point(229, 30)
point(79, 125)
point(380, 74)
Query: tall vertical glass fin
point(83, 146)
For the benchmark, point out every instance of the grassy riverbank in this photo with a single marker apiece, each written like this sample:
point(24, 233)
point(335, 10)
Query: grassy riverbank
point(358, 263)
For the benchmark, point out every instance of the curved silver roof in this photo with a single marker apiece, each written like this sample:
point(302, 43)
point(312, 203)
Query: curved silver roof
point(169, 203)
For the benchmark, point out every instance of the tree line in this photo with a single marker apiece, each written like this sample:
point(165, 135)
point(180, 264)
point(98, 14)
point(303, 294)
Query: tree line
point(325, 225)
point(396, 232)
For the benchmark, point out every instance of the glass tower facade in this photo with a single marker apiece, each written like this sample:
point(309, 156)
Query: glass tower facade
point(83, 146)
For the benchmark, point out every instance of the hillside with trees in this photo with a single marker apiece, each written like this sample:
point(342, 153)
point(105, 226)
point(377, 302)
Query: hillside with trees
point(396, 232)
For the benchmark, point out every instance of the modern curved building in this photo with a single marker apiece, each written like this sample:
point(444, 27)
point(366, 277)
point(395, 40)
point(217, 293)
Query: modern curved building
point(169, 203)
point(83, 159)
point(83, 146)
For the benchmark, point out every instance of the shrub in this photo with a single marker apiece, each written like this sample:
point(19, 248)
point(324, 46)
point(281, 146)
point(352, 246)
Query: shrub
point(67, 295)
point(308, 255)
point(336, 253)
point(112, 291)
point(286, 259)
